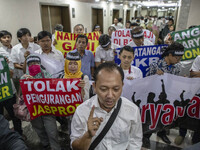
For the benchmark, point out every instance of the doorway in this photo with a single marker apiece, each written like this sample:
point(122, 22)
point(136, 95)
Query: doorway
point(127, 15)
point(52, 15)
point(115, 14)
point(97, 18)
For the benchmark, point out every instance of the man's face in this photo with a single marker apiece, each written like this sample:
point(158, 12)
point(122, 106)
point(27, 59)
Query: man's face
point(126, 58)
point(108, 88)
point(170, 23)
point(115, 21)
point(78, 30)
point(25, 38)
point(174, 59)
point(139, 41)
point(45, 43)
point(6, 40)
point(81, 44)
point(128, 25)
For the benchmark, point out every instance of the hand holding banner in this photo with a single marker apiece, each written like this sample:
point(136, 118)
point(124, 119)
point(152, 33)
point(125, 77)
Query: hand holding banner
point(59, 97)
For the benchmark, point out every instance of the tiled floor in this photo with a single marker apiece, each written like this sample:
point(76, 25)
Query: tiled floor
point(156, 142)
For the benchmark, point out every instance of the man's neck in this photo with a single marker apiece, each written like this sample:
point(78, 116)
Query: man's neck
point(47, 51)
point(81, 52)
point(25, 45)
point(125, 67)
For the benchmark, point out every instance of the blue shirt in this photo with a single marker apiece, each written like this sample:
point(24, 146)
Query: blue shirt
point(87, 61)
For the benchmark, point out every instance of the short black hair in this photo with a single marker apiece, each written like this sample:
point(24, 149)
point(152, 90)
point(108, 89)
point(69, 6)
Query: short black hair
point(4, 32)
point(120, 19)
point(108, 66)
point(23, 31)
point(170, 19)
point(104, 39)
point(82, 36)
point(127, 48)
point(134, 24)
point(175, 46)
point(43, 34)
point(128, 21)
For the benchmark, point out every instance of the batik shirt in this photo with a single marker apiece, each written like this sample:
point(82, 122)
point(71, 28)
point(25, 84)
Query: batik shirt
point(163, 66)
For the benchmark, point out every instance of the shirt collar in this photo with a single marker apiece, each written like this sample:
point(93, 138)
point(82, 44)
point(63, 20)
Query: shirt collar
point(30, 46)
point(86, 52)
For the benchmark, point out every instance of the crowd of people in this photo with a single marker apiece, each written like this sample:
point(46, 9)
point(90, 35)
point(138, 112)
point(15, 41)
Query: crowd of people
point(106, 120)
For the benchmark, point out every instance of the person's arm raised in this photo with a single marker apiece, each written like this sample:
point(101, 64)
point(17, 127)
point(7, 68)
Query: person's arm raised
point(93, 123)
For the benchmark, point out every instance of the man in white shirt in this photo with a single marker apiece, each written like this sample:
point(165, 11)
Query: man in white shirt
point(127, 56)
point(51, 59)
point(137, 35)
point(116, 24)
point(19, 52)
point(91, 116)
point(104, 52)
point(5, 39)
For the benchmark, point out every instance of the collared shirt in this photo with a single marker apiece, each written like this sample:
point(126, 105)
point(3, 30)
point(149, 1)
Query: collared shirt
point(87, 61)
point(53, 54)
point(125, 133)
point(6, 52)
point(133, 72)
point(146, 43)
point(17, 56)
point(116, 26)
point(196, 64)
point(105, 55)
point(163, 66)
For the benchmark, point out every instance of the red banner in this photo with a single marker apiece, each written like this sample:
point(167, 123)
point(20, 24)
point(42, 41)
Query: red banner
point(58, 97)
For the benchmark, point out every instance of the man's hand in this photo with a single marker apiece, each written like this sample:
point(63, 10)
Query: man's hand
point(93, 123)
point(159, 72)
point(26, 54)
point(81, 83)
point(28, 76)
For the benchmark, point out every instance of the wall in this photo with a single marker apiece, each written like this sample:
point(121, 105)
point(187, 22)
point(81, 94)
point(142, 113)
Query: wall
point(194, 13)
point(15, 14)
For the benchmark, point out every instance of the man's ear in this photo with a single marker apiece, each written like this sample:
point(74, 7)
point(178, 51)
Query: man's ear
point(94, 86)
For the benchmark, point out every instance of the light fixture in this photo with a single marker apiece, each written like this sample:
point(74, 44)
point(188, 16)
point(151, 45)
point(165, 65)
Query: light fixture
point(169, 1)
point(97, 0)
point(121, 4)
point(148, 7)
point(163, 7)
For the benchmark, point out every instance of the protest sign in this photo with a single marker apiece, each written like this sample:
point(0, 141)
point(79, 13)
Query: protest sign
point(144, 56)
point(59, 97)
point(66, 41)
point(165, 100)
point(123, 36)
point(6, 91)
point(190, 39)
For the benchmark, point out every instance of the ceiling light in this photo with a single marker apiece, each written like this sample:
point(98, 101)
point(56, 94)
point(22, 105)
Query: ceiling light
point(169, 1)
point(97, 0)
point(147, 6)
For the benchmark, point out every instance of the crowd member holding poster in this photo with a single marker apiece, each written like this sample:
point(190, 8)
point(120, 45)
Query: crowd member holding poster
point(72, 69)
point(87, 57)
point(45, 126)
point(5, 39)
point(168, 64)
point(107, 110)
point(194, 73)
point(97, 28)
point(127, 56)
point(104, 52)
point(137, 35)
point(78, 29)
point(58, 27)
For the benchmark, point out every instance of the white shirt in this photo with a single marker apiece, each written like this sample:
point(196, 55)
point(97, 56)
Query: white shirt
point(4, 51)
point(133, 72)
point(53, 61)
point(116, 26)
point(17, 56)
point(105, 55)
point(196, 64)
point(125, 133)
point(146, 43)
